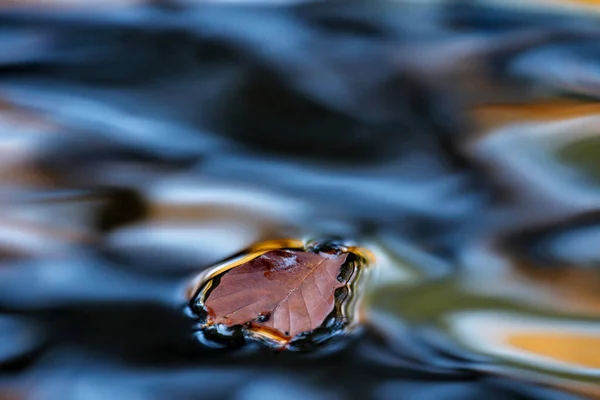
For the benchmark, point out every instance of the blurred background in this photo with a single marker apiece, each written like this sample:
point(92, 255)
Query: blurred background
point(140, 142)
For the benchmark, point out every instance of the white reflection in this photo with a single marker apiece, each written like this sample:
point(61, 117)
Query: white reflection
point(201, 243)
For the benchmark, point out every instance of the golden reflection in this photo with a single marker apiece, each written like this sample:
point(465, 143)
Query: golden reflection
point(488, 117)
point(553, 345)
point(590, 2)
point(569, 347)
point(555, 351)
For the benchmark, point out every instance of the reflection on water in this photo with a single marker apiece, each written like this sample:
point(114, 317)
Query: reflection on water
point(142, 144)
point(565, 346)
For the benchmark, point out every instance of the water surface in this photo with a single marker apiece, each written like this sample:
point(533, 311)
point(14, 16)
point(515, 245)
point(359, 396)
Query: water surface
point(139, 145)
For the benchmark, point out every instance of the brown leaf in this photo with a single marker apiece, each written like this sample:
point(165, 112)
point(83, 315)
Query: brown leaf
point(287, 291)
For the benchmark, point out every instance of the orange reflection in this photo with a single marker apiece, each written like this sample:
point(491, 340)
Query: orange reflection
point(590, 2)
point(569, 347)
point(555, 346)
point(492, 116)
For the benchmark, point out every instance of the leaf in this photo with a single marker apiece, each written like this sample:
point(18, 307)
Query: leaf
point(286, 291)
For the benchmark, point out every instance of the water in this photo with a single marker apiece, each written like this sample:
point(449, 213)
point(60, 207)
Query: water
point(141, 145)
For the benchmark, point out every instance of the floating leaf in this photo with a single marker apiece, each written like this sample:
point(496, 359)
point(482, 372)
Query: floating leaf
point(283, 294)
point(289, 291)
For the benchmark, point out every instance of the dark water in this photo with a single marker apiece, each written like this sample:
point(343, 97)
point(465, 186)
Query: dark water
point(139, 145)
